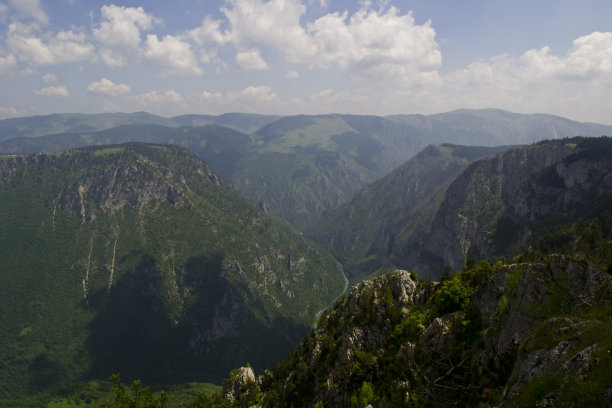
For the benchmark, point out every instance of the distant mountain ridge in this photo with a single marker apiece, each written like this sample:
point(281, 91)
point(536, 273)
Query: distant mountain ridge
point(299, 166)
point(43, 125)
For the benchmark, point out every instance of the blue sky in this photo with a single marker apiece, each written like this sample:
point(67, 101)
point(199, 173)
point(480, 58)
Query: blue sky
point(306, 56)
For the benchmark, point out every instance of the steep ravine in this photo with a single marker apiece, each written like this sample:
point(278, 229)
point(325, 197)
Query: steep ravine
point(346, 285)
point(508, 335)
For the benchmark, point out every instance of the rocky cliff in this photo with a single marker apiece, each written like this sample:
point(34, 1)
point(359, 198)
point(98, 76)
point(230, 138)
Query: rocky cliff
point(140, 259)
point(528, 334)
point(362, 233)
point(496, 205)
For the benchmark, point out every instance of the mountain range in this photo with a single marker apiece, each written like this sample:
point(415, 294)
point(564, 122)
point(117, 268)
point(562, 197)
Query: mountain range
point(143, 259)
point(362, 233)
point(298, 167)
point(528, 329)
point(438, 210)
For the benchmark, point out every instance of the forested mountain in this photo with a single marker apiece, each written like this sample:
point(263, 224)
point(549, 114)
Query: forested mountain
point(530, 329)
point(502, 335)
point(361, 233)
point(497, 205)
point(42, 125)
point(140, 259)
point(437, 210)
point(297, 166)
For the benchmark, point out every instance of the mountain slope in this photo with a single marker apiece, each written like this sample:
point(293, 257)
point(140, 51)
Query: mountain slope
point(243, 122)
point(140, 259)
point(496, 205)
point(493, 127)
point(529, 334)
point(219, 146)
point(301, 166)
point(361, 233)
point(34, 126)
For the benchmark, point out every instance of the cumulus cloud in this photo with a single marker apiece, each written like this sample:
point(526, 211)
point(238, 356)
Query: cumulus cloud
point(7, 111)
point(7, 64)
point(119, 33)
point(171, 53)
point(30, 9)
point(3, 12)
point(250, 60)
point(208, 32)
point(107, 87)
point(257, 99)
point(369, 43)
point(156, 101)
point(50, 79)
point(46, 48)
point(292, 74)
point(539, 81)
point(274, 23)
point(59, 90)
point(589, 58)
point(377, 44)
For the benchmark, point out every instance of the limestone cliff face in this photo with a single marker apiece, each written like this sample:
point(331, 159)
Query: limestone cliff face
point(361, 233)
point(147, 263)
point(518, 335)
point(496, 205)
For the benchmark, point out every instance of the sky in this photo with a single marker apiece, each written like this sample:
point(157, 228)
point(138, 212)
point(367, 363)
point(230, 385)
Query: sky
point(286, 57)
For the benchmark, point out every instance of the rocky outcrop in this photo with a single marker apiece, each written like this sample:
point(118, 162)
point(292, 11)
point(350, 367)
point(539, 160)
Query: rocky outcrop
point(496, 205)
point(239, 383)
point(386, 343)
point(149, 264)
point(362, 233)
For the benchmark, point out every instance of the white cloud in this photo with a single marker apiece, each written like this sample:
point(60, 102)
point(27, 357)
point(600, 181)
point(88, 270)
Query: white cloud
point(3, 11)
point(273, 23)
point(30, 9)
point(322, 4)
point(257, 99)
point(589, 58)
point(370, 43)
point(250, 60)
point(119, 33)
point(377, 44)
point(7, 111)
point(50, 79)
point(292, 74)
point(7, 64)
point(107, 87)
point(572, 85)
point(208, 32)
point(171, 53)
point(36, 48)
point(59, 90)
point(156, 101)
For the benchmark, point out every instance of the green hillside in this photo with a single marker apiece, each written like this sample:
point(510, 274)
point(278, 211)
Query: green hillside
point(140, 259)
point(297, 166)
point(361, 233)
point(534, 331)
point(497, 205)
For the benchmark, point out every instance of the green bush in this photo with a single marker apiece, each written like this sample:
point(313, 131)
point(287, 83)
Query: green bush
point(452, 296)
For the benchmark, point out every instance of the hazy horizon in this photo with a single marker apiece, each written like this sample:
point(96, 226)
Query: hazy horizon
point(289, 57)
